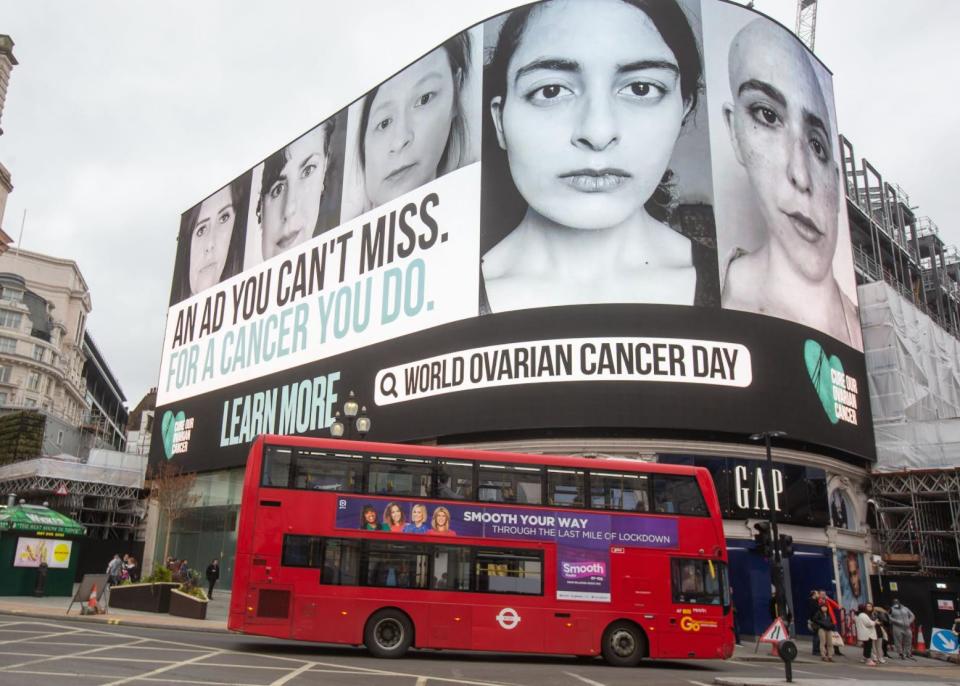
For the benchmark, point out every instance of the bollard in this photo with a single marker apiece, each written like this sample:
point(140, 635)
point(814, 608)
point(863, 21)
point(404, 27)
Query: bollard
point(788, 653)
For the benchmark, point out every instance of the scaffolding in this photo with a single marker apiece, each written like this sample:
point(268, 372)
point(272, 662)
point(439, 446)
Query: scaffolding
point(917, 521)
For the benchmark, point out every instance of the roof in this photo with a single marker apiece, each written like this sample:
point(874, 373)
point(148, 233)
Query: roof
point(37, 519)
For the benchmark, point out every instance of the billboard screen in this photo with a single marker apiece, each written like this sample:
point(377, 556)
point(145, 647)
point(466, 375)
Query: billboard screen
point(600, 213)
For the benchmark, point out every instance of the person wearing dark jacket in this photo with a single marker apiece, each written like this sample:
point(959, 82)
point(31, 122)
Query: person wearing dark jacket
point(813, 609)
point(825, 627)
point(213, 573)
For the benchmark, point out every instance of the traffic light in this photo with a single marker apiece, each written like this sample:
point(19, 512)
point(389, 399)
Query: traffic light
point(763, 539)
point(786, 545)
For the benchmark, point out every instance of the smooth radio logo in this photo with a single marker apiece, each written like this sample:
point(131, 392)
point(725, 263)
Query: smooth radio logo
point(583, 570)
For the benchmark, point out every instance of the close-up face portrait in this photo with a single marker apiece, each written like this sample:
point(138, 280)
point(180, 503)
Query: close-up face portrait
point(591, 111)
point(418, 515)
point(408, 127)
point(780, 129)
point(210, 239)
point(290, 197)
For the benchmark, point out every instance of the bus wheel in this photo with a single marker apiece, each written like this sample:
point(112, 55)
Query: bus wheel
point(388, 633)
point(624, 645)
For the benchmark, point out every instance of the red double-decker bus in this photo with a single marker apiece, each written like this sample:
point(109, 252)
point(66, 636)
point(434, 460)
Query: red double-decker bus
point(400, 546)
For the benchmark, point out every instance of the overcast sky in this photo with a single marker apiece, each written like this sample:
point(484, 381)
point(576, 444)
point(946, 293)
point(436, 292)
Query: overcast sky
point(122, 114)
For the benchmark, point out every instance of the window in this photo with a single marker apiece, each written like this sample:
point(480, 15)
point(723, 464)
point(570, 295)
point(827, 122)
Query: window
point(3, 399)
point(615, 491)
point(322, 472)
point(454, 480)
point(341, 562)
point(60, 438)
point(30, 402)
point(703, 582)
point(8, 345)
point(12, 295)
point(451, 568)
point(33, 381)
point(38, 352)
point(397, 565)
point(4, 374)
point(302, 551)
point(10, 320)
point(677, 495)
point(400, 476)
point(506, 571)
point(276, 467)
point(507, 483)
point(565, 487)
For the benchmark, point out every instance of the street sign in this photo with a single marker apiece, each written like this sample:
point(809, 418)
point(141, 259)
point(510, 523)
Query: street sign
point(943, 641)
point(775, 633)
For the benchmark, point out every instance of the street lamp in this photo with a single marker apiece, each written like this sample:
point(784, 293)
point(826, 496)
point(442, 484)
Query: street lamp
point(776, 569)
point(352, 417)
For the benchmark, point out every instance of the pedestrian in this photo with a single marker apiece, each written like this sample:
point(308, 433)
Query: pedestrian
point(113, 570)
point(866, 633)
point(213, 573)
point(901, 617)
point(133, 570)
point(879, 616)
point(824, 627)
point(736, 619)
point(184, 570)
point(833, 609)
point(813, 610)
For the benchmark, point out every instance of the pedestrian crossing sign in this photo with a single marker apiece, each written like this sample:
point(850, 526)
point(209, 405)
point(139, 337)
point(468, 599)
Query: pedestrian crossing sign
point(775, 633)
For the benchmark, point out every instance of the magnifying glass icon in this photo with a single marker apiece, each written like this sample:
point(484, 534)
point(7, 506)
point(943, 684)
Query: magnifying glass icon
point(388, 384)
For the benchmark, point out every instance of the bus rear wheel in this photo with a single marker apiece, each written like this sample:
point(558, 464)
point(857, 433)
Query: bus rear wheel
point(624, 645)
point(388, 633)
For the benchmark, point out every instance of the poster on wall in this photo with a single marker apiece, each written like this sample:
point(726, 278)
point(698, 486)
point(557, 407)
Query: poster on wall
point(853, 579)
point(564, 204)
point(583, 539)
point(32, 552)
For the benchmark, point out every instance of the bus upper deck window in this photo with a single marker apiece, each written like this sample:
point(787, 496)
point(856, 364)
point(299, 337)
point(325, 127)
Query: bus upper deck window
point(677, 495)
point(276, 467)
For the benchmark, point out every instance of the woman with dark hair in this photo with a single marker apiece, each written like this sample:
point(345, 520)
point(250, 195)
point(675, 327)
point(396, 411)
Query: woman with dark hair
point(294, 183)
point(393, 519)
point(412, 128)
point(368, 520)
point(587, 101)
point(211, 241)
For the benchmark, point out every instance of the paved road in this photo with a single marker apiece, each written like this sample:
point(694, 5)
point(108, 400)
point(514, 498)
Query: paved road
point(35, 652)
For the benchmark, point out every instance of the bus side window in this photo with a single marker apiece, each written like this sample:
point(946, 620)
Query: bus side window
point(276, 467)
point(677, 495)
point(320, 472)
point(451, 568)
point(341, 560)
point(698, 581)
point(399, 476)
point(565, 487)
point(616, 491)
point(509, 571)
point(455, 480)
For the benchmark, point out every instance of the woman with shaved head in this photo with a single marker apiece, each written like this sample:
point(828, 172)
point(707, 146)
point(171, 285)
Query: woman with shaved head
point(780, 129)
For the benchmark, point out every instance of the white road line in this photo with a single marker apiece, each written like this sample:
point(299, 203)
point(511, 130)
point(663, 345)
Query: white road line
point(743, 664)
point(68, 656)
point(422, 681)
point(584, 679)
point(161, 670)
point(293, 675)
point(698, 683)
point(43, 635)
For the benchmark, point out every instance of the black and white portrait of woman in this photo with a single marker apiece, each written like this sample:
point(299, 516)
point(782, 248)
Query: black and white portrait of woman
point(298, 191)
point(415, 127)
point(585, 103)
point(210, 246)
point(782, 230)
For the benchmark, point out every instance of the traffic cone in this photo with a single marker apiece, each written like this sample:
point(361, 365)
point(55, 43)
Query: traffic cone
point(92, 601)
point(921, 646)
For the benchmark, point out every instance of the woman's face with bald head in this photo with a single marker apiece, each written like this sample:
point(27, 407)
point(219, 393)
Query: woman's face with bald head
point(780, 129)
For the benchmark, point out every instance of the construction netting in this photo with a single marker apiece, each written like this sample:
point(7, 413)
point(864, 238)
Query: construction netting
point(913, 367)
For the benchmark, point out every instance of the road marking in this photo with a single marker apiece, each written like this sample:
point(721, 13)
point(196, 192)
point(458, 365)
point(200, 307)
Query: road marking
point(585, 680)
point(293, 675)
point(422, 681)
point(43, 635)
point(743, 664)
point(161, 670)
point(8, 668)
point(698, 683)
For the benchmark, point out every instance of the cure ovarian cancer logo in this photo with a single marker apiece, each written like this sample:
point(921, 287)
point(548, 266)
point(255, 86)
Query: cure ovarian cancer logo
point(175, 430)
point(837, 390)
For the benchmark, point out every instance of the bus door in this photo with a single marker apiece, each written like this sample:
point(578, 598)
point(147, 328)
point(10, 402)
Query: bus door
point(699, 591)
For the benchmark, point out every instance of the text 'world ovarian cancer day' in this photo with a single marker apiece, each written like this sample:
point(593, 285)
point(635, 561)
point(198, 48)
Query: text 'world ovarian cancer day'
point(676, 360)
point(393, 271)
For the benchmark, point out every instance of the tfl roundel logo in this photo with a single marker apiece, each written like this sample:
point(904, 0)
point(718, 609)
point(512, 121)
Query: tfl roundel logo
point(508, 618)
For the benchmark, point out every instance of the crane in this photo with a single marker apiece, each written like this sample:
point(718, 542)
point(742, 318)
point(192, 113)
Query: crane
point(807, 22)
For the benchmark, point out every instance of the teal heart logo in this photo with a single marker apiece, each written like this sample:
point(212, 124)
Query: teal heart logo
point(167, 429)
point(819, 367)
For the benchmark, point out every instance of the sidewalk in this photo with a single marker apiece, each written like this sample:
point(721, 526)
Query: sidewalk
point(761, 681)
point(55, 608)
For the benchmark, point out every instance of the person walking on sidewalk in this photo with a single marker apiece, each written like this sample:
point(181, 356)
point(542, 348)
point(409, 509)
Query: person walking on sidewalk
point(879, 615)
point(866, 632)
point(825, 627)
point(813, 609)
point(900, 620)
point(113, 570)
point(213, 573)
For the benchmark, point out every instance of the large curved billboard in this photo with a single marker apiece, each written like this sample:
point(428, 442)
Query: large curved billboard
point(623, 214)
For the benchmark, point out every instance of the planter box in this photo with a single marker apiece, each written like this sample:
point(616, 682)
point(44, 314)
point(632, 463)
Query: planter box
point(186, 605)
point(142, 597)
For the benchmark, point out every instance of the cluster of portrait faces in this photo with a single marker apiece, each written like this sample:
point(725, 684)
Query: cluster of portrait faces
point(414, 520)
point(632, 151)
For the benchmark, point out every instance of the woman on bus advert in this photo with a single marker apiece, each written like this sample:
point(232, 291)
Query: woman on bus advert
point(587, 101)
point(418, 520)
point(413, 128)
point(393, 519)
point(440, 523)
point(211, 242)
point(368, 520)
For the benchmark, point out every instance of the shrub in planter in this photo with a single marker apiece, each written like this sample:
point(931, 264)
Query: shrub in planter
point(189, 600)
point(151, 595)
